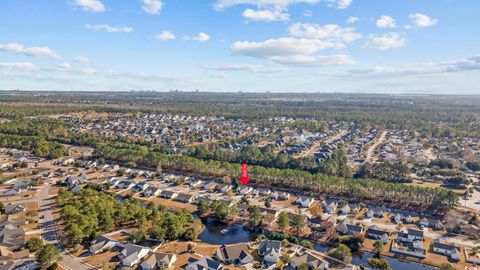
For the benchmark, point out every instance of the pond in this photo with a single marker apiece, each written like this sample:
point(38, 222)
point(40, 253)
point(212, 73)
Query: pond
point(219, 234)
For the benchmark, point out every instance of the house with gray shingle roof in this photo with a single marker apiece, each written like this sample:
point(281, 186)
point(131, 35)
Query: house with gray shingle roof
point(132, 254)
point(203, 263)
point(234, 254)
point(158, 260)
point(101, 243)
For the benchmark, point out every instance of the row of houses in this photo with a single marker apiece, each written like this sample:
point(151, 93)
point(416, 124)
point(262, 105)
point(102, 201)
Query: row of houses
point(16, 187)
point(269, 251)
point(409, 242)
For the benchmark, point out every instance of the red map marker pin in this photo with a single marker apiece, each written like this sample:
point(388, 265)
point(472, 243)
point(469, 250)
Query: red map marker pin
point(244, 177)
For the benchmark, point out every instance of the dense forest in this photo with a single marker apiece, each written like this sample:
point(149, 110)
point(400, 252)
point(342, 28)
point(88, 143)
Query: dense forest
point(265, 156)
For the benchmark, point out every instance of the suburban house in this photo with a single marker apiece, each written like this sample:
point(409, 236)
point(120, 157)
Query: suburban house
point(101, 243)
point(327, 224)
point(226, 189)
point(270, 250)
point(22, 184)
point(431, 222)
point(209, 185)
point(305, 202)
point(270, 215)
point(12, 236)
point(142, 186)
point(378, 234)
point(410, 236)
point(369, 214)
point(125, 184)
point(113, 181)
point(279, 196)
point(447, 249)
point(397, 218)
point(262, 192)
point(14, 208)
point(151, 191)
point(234, 254)
point(132, 254)
point(204, 263)
point(67, 161)
point(71, 181)
point(245, 190)
point(346, 210)
point(350, 229)
point(185, 198)
point(168, 194)
point(331, 207)
point(195, 183)
point(158, 260)
point(407, 219)
point(12, 192)
point(379, 214)
point(313, 261)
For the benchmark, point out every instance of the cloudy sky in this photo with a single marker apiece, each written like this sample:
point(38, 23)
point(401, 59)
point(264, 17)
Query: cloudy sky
point(394, 46)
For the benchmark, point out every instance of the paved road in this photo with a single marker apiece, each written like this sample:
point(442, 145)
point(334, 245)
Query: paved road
point(371, 150)
point(49, 233)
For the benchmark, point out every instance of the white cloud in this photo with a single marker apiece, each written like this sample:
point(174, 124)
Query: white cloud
point(24, 66)
point(342, 4)
point(201, 37)
point(246, 67)
point(109, 28)
point(431, 68)
point(165, 35)
point(386, 22)
point(420, 20)
point(265, 15)
point(81, 59)
point(152, 6)
point(94, 6)
point(277, 4)
point(352, 20)
point(218, 75)
point(65, 66)
point(87, 71)
point(384, 42)
point(17, 48)
point(292, 51)
point(274, 10)
point(330, 32)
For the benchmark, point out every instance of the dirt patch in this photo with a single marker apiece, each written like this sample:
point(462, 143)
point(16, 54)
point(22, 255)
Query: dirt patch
point(180, 248)
point(103, 260)
point(170, 204)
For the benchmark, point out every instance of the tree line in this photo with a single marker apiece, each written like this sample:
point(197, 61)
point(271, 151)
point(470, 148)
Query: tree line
point(373, 191)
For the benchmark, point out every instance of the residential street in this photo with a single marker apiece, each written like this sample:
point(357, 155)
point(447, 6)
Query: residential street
point(49, 232)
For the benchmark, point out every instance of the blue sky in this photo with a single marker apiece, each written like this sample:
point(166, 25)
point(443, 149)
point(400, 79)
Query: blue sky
point(395, 46)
